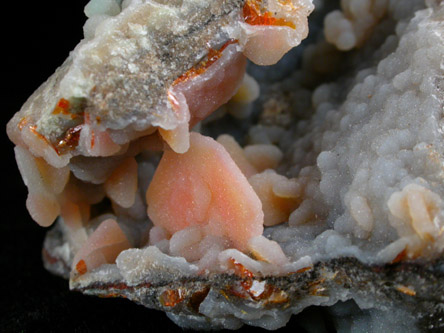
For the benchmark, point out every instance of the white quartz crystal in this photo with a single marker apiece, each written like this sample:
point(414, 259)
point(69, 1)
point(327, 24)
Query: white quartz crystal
point(381, 137)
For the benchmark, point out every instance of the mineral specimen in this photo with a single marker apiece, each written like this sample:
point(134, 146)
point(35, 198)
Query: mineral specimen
point(325, 187)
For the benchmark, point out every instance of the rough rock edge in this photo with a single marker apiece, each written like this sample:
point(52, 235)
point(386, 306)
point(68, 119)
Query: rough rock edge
point(415, 287)
point(135, 92)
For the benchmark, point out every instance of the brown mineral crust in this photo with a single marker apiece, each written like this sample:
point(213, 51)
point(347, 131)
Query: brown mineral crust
point(197, 298)
point(70, 140)
point(37, 104)
point(122, 94)
point(212, 56)
point(415, 287)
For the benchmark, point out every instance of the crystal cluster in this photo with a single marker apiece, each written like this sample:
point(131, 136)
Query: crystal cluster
point(183, 183)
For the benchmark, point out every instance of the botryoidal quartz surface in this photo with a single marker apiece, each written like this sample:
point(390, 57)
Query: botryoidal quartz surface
point(223, 198)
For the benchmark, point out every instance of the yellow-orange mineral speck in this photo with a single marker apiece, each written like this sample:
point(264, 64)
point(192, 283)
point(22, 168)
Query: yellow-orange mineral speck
point(170, 298)
point(81, 267)
point(253, 15)
point(102, 247)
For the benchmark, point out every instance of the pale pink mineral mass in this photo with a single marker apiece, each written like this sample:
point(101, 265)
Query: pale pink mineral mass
point(201, 90)
point(237, 154)
point(121, 186)
point(268, 33)
point(44, 184)
point(204, 187)
point(102, 247)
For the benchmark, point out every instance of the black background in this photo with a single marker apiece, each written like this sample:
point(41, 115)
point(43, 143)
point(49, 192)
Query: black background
point(36, 38)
